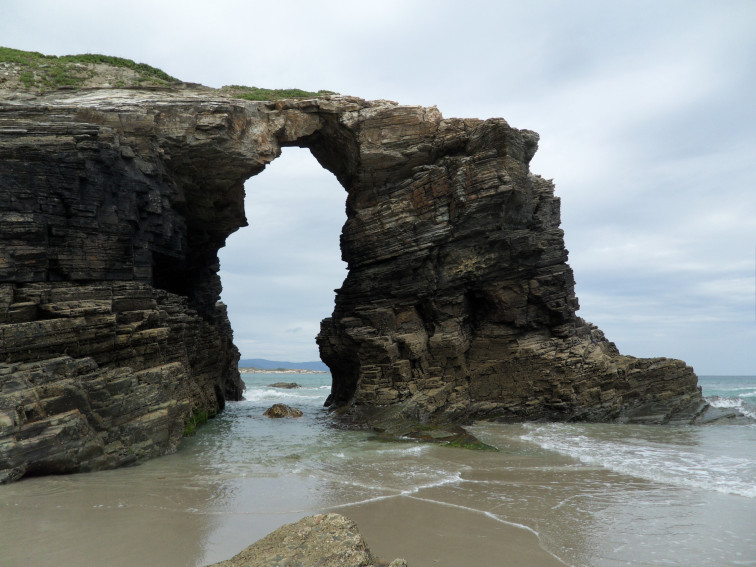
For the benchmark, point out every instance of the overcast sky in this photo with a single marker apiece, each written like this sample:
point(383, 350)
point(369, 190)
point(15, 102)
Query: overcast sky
point(646, 111)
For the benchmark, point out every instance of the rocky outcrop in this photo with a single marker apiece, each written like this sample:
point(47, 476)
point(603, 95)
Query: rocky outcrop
point(282, 410)
point(323, 540)
point(458, 304)
point(102, 375)
point(111, 337)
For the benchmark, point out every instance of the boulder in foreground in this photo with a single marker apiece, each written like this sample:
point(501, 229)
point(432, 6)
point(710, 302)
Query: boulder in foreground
point(323, 540)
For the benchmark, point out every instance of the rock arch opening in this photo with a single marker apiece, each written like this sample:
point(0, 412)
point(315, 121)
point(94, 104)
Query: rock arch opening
point(279, 273)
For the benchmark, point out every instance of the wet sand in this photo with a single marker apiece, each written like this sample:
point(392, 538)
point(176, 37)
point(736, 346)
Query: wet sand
point(150, 515)
point(175, 512)
point(432, 534)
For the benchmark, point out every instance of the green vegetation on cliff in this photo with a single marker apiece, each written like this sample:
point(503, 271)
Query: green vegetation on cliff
point(45, 72)
point(33, 71)
point(255, 93)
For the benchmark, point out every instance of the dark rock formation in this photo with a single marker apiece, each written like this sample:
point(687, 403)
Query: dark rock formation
point(101, 375)
point(458, 304)
point(285, 385)
point(282, 410)
point(110, 335)
point(323, 540)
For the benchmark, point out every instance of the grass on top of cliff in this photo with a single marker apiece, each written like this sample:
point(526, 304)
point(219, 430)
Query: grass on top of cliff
point(255, 93)
point(30, 70)
point(36, 72)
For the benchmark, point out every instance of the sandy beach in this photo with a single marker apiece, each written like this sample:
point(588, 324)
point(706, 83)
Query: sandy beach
point(166, 513)
point(85, 522)
point(431, 534)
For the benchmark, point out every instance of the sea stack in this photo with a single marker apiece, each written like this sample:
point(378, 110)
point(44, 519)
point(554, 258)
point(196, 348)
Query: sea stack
point(458, 304)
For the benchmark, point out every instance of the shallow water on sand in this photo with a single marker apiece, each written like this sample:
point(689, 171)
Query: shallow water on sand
point(588, 494)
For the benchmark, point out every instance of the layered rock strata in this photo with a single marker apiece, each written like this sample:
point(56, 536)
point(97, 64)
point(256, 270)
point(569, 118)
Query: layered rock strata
point(102, 375)
point(458, 304)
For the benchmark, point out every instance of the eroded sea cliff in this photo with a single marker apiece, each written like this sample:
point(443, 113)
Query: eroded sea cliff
point(459, 302)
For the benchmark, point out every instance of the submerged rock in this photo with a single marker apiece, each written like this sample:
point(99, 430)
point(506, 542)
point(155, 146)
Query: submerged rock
point(282, 410)
point(285, 385)
point(324, 540)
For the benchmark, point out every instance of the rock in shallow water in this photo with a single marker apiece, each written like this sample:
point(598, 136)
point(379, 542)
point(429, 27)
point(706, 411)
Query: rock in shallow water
point(285, 385)
point(324, 540)
point(282, 410)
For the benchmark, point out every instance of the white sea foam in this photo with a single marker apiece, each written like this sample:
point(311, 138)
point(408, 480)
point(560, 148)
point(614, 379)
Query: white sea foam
point(484, 513)
point(360, 502)
point(726, 402)
point(273, 394)
point(406, 450)
point(443, 479)
point(685, 464)
point(734, 403)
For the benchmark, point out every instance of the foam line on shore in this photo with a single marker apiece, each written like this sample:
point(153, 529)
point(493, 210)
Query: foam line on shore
point(469, 509)
point(492, 516)
point(361, 502)
point(485, 513)
point(451, 479)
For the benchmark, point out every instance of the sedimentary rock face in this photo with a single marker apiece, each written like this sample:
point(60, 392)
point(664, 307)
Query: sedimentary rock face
point(458, 303)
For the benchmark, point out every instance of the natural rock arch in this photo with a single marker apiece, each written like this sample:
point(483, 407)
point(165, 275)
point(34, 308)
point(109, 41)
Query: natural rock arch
point(458, 303)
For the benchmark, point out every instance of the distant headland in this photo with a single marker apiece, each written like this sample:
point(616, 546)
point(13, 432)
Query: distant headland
point(251, 370)
point(269, 366)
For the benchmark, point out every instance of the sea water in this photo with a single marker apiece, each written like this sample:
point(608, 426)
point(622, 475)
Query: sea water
point(595, 494)
point(738, 392)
